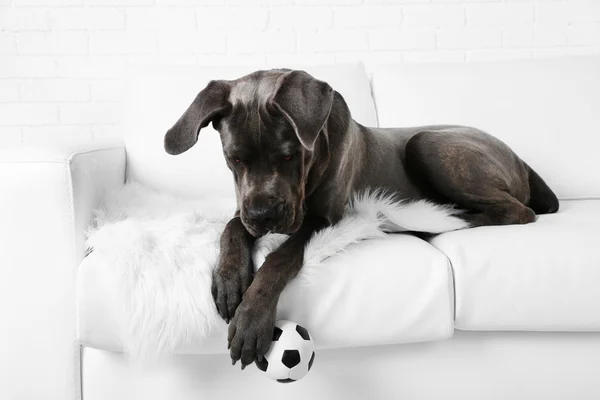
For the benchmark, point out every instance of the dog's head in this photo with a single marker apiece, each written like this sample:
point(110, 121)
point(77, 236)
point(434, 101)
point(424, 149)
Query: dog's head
point(269, 122)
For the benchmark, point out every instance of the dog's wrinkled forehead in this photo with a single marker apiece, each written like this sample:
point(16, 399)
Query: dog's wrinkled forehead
point(249, 123)
point(254, 88)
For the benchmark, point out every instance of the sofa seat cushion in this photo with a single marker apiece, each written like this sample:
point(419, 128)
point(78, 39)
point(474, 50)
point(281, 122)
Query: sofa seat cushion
point(543, 276)
point(394, 289)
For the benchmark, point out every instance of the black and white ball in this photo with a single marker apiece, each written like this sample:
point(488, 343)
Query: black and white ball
point(291, 354)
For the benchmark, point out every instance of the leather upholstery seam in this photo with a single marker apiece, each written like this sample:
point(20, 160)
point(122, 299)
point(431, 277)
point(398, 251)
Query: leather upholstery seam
point(77, 369)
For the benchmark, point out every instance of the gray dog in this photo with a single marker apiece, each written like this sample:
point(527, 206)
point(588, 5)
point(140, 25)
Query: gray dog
point(297, 157)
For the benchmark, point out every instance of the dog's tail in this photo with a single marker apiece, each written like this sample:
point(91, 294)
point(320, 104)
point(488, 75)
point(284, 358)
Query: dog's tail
point(542, 198)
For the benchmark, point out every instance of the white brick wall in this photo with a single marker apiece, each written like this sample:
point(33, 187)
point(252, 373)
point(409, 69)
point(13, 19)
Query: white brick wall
point(61, 61)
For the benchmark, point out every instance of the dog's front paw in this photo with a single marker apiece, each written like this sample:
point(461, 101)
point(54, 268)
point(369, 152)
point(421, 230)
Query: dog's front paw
point(251, 330)
point(230, 282)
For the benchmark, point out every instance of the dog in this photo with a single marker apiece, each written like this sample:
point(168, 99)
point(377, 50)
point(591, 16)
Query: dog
point(297, 157)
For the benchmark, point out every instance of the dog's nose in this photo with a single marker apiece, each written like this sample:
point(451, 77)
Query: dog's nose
point(261, 215)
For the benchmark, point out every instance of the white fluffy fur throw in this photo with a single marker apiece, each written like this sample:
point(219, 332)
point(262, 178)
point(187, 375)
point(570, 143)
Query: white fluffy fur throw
point(165, 249)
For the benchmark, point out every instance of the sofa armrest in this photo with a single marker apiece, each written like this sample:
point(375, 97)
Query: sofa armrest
point(47, 198)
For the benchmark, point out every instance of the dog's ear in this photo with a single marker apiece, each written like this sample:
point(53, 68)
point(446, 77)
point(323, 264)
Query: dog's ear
point(210, 104)
point(305, 102)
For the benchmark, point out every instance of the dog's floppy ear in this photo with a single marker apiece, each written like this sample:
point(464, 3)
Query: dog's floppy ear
point(305, 102)
point(210, 104)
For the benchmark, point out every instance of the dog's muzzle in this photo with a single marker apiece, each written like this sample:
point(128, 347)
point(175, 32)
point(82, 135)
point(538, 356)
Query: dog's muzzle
point(266, 214)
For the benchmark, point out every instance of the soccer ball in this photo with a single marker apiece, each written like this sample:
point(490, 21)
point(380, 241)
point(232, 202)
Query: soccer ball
point(291, 354)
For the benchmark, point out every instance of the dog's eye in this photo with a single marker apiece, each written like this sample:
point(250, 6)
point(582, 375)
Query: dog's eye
point(288, 157)
point(236, 160)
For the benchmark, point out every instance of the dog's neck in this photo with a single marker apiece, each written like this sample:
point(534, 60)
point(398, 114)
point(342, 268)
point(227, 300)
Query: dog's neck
point(339, 155)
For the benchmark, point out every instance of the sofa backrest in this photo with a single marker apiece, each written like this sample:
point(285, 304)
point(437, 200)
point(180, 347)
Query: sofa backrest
point(548, 111)
point(156, 96)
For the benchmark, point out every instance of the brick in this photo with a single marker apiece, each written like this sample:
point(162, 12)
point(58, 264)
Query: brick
point(172, 59)
point(88, 113)
point(140, 58)
point(201, 3)
point(350, 56)
point(584, 11)
point(469, 38)
point(110, 43)
point(301, 18)
point(288, 60)
point(28, 67)
point(9, 91)
point(498, 54)
point(87, 19)
point(518, 36)
point(261, 42)
point(28, 114)
point(329, 2)
point(118, 3)
point(232, 59)
point(565, 12)
point(539, 35)
point(466, 1)
point(259, 2)
point(434, 56)
point(90, 67)
point(332, 41)
point(161, 19)
point(42, 135)
point(46, 3)
point(552, 12)
point(57, 43)
point(416, 16)
point(23, 19)
point(584, 34)
point(500, 13)
point(10, 136)
point(370, 57)
point(106, 131)
point(107, 90)
point(405, 39)
point(234, 18)
point(550, 35)
point(381, 57)
point(8, 44)
point(565, 51)
point(54, 90)
point(191, 43)
point(396, 1)
point(370, 16)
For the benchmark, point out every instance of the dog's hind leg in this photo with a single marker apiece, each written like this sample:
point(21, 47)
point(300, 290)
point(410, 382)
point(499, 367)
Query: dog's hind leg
point(507, 212)
point(474, 171)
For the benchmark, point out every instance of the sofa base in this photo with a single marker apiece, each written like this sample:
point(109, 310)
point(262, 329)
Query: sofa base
point(470, 366)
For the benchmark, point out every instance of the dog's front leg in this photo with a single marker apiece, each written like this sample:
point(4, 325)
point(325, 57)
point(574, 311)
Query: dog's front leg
point(251, 330)
point(235, 271)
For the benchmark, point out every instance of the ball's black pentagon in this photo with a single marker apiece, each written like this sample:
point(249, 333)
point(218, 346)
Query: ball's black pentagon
point(277, 333)
point(262, 365)
point(302, 332)
point(312, 358)
point(291, 358)
point(286, 380)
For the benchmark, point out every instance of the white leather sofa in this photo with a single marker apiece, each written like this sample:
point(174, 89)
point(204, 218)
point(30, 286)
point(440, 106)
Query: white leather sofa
point(507, 312)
